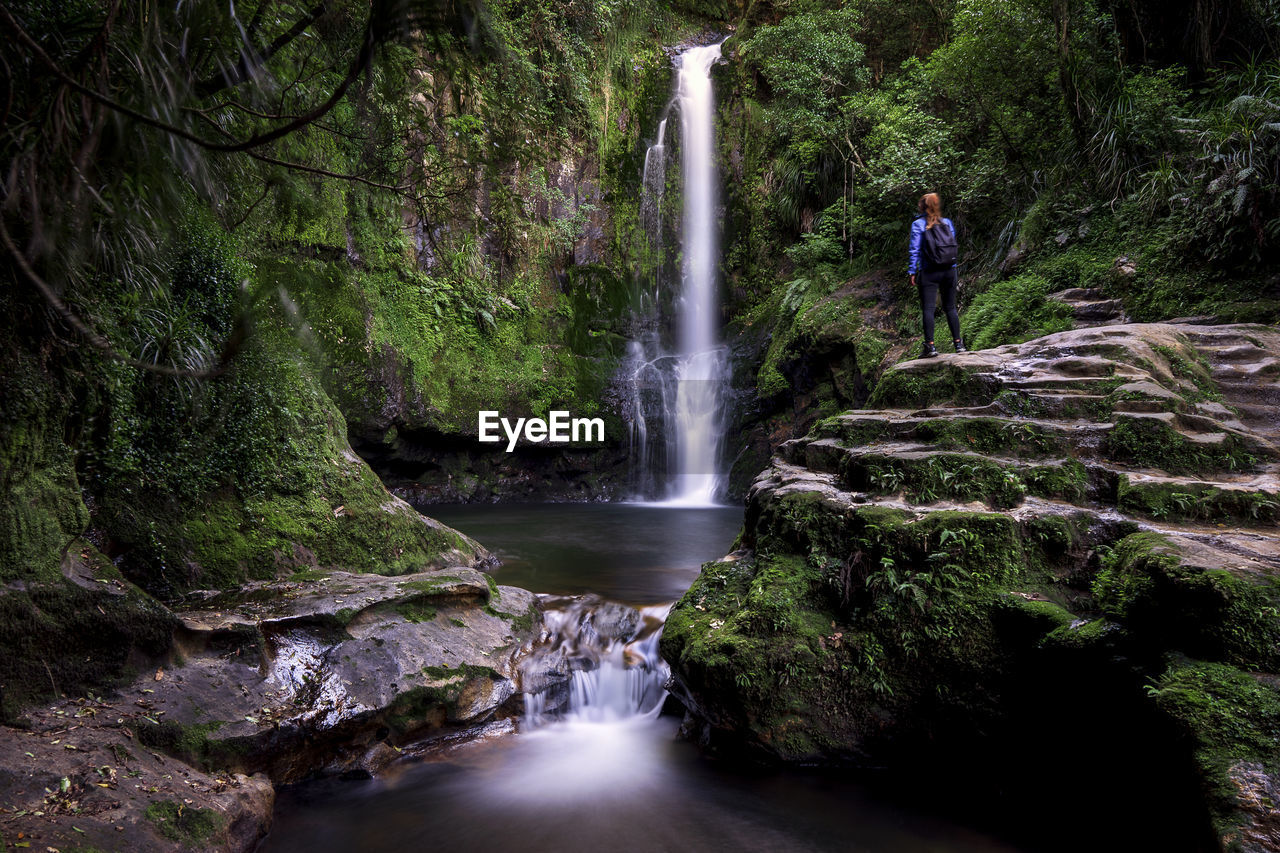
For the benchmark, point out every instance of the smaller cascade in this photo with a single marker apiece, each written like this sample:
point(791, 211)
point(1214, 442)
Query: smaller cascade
point(598, 662)
point(653, 184)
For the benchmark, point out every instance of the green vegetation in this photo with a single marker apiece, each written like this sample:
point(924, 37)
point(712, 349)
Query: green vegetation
point(192, 370)
point(1173, 603)
point(183, 824)
point(1152, 443)
point(1137, 163)
point(1013, 310)
point(1192, 501)
point(847, 628)
point(1230, 717)
point(966, 477)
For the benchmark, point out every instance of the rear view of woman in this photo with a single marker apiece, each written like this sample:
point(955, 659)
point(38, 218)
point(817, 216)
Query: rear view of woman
point(932, 267)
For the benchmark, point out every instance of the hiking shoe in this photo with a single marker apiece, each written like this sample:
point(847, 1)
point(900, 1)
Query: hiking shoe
point(960, 347)
point(929, 351)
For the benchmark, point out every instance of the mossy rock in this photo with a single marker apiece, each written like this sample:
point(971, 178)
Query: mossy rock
point(1194, 600)
point(849, 632)
point(63, 638)
point(920, 384)
point(1197, 501)
point(191, 827)
point(1153, 443)
point(1231, 718)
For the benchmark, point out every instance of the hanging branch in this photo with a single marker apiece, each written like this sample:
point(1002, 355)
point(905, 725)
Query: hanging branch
point(249, 61)
point(358, 66)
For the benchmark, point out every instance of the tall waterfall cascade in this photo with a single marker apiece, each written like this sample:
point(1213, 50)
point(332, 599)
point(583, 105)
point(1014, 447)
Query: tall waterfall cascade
point(679, 379)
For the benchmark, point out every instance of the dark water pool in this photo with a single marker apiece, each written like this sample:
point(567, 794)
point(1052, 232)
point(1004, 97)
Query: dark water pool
point(626, 784)
point(611, 787)
point(637, 553)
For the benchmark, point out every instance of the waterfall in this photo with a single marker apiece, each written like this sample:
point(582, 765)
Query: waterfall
point(598, 662)
point(686, 381)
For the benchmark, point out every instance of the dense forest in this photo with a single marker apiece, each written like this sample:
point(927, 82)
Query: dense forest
point(265, 260)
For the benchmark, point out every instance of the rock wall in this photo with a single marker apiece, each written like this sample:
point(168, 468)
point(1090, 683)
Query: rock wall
point(1085, 521)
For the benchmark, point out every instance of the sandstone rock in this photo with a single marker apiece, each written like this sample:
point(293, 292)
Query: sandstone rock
point(321, 668)
point(324, 672)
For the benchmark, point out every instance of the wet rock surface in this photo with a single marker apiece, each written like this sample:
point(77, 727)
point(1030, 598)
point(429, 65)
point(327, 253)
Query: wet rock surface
point(1098, 505)
point(325, 672)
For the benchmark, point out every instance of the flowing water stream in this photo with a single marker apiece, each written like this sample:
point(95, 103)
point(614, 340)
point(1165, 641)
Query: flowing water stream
point(605, 771)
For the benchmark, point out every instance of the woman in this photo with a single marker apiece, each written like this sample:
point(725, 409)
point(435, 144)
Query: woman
point(931, 277)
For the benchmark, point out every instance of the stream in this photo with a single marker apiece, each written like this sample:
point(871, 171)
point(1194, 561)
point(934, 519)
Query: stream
point(610, 774)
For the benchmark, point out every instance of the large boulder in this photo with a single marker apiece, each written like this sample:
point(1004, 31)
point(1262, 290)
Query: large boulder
point(277, 681)
point(1013, 537)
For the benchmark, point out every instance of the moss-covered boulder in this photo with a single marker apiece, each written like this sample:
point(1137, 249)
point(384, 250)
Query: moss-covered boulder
point(252, 479)
point(69, 620)
point(1072, 535)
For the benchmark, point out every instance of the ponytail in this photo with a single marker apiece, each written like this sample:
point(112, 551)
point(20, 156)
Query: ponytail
point(931, 207)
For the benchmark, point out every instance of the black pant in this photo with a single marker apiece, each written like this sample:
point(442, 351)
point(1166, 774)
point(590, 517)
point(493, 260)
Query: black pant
point(930, 284)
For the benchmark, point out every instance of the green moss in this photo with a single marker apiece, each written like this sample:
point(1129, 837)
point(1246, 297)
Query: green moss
point(433, 705)
point(1092, 635)
point(415, 610)
point(1192, 501)
point(434, 584)
point(848, 622)
point(184, 825)
point(965, 477)
point(193, 743)
point(1017, 438)
point(41, 507)
point(1163, 597)
point(1045, 616)
point(59, 637)
point(1190, 366)
point(521, 623)
point(934, 384)
point(1151, 442)
point(1228, 716)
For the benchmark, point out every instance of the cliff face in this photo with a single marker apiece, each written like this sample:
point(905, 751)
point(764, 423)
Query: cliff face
point(516, 289)
point(1077, 531)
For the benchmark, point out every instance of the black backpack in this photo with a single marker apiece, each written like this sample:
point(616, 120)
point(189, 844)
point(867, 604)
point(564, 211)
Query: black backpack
point(939, 247)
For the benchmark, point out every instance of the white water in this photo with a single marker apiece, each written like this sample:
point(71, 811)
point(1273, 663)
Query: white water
point(598, 735)
point(689, 381)
point(610, 653)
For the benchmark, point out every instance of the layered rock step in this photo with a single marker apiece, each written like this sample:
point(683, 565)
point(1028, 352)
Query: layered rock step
point(1090, 306)
point(1137, 401)
point(1105, 499)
